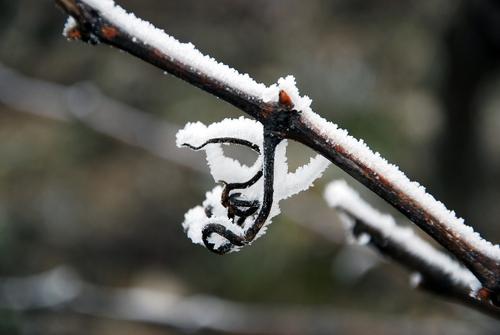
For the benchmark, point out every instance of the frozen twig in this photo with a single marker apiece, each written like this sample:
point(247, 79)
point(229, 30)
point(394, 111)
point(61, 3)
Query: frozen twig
point(432, 269)
point(101, 21)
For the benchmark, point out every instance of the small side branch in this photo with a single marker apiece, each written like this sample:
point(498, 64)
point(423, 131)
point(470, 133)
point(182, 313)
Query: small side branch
point(434, 270)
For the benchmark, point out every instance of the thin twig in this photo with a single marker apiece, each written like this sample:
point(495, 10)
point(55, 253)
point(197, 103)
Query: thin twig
point(434, 271)
point(433, 278)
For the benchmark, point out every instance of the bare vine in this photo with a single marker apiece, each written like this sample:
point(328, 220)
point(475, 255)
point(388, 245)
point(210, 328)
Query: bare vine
point(282, 121)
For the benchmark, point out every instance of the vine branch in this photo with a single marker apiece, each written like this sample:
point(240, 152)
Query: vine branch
point(284, 122)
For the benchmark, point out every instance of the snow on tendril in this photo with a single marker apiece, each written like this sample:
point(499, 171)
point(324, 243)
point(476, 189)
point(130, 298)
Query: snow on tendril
point(238, 211)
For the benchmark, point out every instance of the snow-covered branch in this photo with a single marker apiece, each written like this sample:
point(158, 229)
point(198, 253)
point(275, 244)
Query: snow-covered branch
point(285, 114)
point(431, 268)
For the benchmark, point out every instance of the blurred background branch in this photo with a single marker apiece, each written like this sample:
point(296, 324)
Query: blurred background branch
point(62, 290)
point(83, 102)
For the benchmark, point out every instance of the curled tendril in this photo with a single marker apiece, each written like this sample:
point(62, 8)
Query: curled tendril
point(239, 208)
point(237, 212)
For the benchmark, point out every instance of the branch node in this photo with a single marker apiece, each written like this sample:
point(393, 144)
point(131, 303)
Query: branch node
point(74, 34)
point(109, 32)
point(285, 100)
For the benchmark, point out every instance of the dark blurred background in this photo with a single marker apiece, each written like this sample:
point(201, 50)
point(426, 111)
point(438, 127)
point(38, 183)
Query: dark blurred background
point(92, 192)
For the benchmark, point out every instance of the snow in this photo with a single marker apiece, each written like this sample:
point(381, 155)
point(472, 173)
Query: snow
point(196, 219)
point(338, 194)
point(415, 279)
point(363, 239)
point(224, 168)
point(185, 53)
point(303, 177)
point(229, 170)
point(69, 25)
